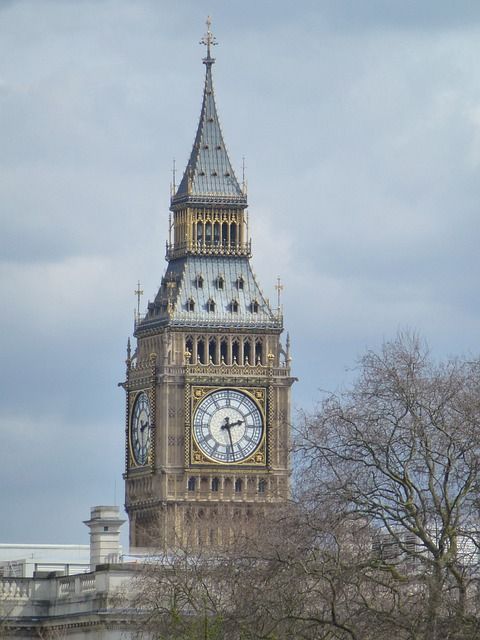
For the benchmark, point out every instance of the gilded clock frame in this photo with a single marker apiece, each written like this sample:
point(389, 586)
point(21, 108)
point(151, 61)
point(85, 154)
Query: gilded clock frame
point(194, 457)
point(132, 399)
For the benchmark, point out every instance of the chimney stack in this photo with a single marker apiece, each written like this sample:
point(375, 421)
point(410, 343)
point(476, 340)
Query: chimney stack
point(104, 525)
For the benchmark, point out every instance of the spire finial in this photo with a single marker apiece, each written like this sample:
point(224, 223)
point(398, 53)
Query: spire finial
point(139, 293)
point(279, 288)
point(209, 40)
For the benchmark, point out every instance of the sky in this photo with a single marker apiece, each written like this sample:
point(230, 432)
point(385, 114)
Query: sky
point(359, 122)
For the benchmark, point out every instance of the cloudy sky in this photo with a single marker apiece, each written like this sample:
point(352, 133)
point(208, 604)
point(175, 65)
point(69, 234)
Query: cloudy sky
point(360, 124)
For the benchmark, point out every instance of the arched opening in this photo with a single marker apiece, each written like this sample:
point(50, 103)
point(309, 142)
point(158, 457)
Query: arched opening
point(189, 347)
point(258, 352)
point(216, 233)
point(215, 484)
point(190, 305)
point(254, 306)
point(238, 485)
point(208, 233)
point(211, 305)
point(199, 282)
point(211, 349)
point(262, 486)
point(223, 350)
point(247, 352)
point(201, 351)
point(199, 232)
point(233, 233)
point(224, 233)
point(235, 351)
point(234, 306)
point(191, 484)
point(220, 282)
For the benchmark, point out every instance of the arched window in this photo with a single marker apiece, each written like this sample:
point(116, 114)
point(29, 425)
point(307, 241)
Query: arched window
point(199, 281)
point(235, 351)
point(223, 350)
point(262, 486)
point(254, 306)
point(216, 233)
point(189, 348)
point(191, 484)
point(201, 351)
point(258, 352)
point(238, 485)
point(199, 231)
point(211, 305)
point(240, 282)
point(224, 233)
point(190, 304)
point(220, 282)
point(233, 233)
point(234, 306)
point(211, 349)
point(208, 233)
point(215, 484)
point(247, 352)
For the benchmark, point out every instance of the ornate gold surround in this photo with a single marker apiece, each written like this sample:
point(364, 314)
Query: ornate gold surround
point(194, 394)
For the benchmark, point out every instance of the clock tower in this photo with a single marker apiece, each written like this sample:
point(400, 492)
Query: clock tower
point(208, 385)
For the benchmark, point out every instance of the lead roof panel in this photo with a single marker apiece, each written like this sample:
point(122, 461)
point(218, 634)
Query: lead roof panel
point(171, 303)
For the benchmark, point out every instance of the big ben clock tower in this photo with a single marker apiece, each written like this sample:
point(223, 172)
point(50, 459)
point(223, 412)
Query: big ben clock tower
point(208, 385)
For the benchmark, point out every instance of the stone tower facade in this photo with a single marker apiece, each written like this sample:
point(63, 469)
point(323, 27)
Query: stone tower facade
point(208, 385)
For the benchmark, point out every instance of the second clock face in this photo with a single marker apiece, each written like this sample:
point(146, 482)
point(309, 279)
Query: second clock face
point(140, 429)
point(228, 426)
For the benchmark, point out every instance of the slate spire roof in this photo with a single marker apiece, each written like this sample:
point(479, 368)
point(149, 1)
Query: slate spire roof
point(209, 175)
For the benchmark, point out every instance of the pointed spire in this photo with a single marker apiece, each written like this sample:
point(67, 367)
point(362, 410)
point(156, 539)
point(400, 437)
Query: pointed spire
point(209, 175)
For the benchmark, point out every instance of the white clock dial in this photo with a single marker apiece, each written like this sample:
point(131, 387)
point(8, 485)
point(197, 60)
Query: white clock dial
point(228, 426)
point(140, 429)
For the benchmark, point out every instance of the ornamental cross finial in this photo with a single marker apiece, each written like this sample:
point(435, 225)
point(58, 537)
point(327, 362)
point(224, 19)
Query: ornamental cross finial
point(138, 292)
point(279, 288)
point(209, 40)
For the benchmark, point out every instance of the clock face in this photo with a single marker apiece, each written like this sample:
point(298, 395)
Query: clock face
point(140, 429)
point(228, 426)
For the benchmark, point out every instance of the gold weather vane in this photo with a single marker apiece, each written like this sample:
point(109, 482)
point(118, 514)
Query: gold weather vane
point(208, 39)
point(138, 292)
point(279, 288)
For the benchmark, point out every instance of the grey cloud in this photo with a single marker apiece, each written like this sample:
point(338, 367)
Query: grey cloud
point(360, 125)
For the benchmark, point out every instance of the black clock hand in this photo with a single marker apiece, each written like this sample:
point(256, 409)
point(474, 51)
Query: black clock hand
point(231, 444)
point(227, 426)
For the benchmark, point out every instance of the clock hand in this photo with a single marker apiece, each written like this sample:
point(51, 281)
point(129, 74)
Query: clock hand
point(231, 444)
point(227, 426)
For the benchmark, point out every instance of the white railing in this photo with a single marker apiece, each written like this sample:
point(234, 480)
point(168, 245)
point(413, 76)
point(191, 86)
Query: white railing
point(14, 588)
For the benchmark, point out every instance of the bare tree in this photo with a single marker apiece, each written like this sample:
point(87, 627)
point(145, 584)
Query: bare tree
point(400, 452)
point(381, 538)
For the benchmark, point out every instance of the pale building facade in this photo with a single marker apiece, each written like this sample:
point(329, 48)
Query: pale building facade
point(67, 598)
